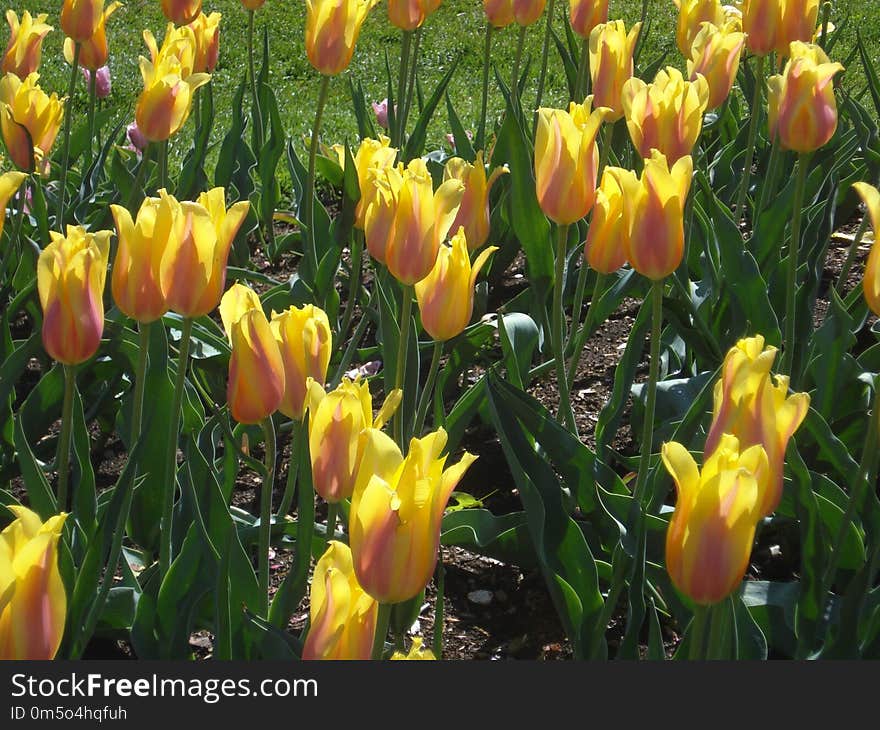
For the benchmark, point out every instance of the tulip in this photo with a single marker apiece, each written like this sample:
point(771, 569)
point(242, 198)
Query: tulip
point(206, 31)
point(605, 247)
point(526, 12)
point(710, 536)
point(499, 13)
point(93, 53)
point(654, 214)
point(802, 109)
point(337, 423)
point(611, 64)
point(407, 14)
point(29, 119)
point(136, 138)
point(586, 15)
point(380, 109)
point(10, 182)
point(396, 510)
point(305, 341)
point(691, 13)
point(759, 20)
point(193, 268)
point(33, 604)
point(80, 18)
point(797, 22)
point(422, 219)
point(71, 272)
point(164, 105)
point(757, 410)
point(178, 42)
point(382, 189)
point(22, 56)
point(372, 155)
point(253, 5)
point(567, 161)
point(715, 55)
point(332, 29)
point(181, 12)
point(667, 114)
point(416, 652)
point(871, 279)
point(474, 211)
point(342, 615)
point(446, 295)
point(103, 82)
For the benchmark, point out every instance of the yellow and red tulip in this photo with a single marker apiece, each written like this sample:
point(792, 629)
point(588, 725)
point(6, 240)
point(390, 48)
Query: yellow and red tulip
point(29, 119)
point(584, 15)
point(691, 13)
point(23, 52)
point(605, 247)
point(93, 53)
point(871, 279)
point(80, 18)
point(206, 31)
point(499, 13)
point(181, 12)
point(526, 12)
point(473, 213)
point(71, 272)
point(33, 603)
point(253, 5)
point(760, 18)
point(611, 64)
point(332, 29)
point(797, 22)
point(715, 55)
point(372, 157)
point(382, 190)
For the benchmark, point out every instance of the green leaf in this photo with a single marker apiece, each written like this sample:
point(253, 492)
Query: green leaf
point(519, 338)
point(416, 142)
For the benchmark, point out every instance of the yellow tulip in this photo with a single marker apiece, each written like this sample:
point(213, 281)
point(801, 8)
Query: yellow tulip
point(22, 56)
point(29, 119)
point(760, 19)
point(206, 31)
point(526, 12)
point(372, 155)
point(416, 652)
point(71, 273)
point(611, 64)
point(382, 189)
point(179, 42)
point(342, 615)
point(710, 535)
point(305, 341)
point(499, 13)
point(33, 604)
point(80, 18)
point(338, 421)
point(181, 12)
point(605, 247)
point(757, 410)
point(585, 15)
point(332, 29)
point(691, 13)
point(422, 219)
point(10, 182)
point(410, 14)
point(666, 115)
point(797, 22)
point(446, 295)
point(396, 510)
point(193, 268)
point(473, 213)
point(567, 160)
point(871, 278)
point(802, 109)
point(715, 55)
point(93, 53)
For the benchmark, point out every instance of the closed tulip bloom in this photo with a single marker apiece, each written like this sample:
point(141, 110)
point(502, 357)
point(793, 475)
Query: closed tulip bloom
point(715, 55)
point(193, 270)
point(759, 20)
point(342, 615)
point(206, 31)
point(22, 56)
point(383, 188)
point(666, 115)
point(585, 15)
point(10, 182)
point(871, 278)
point(611, 64)
point(605, 247)
point(179, 42)
point(567, 160)
point(181, 12)
point(407, 14)
point(93, 53)
point(305, 342)
point(253, 4)
point(416, 652)
point(71, 272)
point(797, 22)
point(757, 409)
point(711, 532)
point(30, 120)
point(422, 219)
point(499, 13)
point(473, 213)
point(526, 12)
point(372, 155)
point(80, 18)
point(691, 13)
point(396, 510)
point(165, 103)
point(802, 108)
point(332, 29)
point(446, 295)
point(33, 604)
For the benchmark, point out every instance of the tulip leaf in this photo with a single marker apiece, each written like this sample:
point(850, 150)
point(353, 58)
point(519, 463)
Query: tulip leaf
point(519, 338)
point(364, 117)
point(235, 158)
point(656, 649)
point(416, 142)
point(192, 179)
point(463, 146)
point(504, 537)
point(40, 495)
point(84, 491)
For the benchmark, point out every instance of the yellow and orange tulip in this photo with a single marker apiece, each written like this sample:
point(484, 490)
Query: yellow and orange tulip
point(80, 18)
point(691, 13)
point(332, 29)
point(584, 15)
point(526, 12)
point(715, 55)
point(871, 279)
point(206, 31)
point(605, 247)
point(29, 119)
point(760, 18)
point(10, 182)
point(611, 64)
point(253, 5)
point(382, 190)
point(499, 13)
point(23, 52)
point(409, 14)
point(181, 12)
point(93, 53)
point(372, 157)
point(797, 22)
point(416, 652)
point(473, 213)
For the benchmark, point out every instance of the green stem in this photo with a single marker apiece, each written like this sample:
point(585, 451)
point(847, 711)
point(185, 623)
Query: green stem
point(605, 618)
point(93, 96)
point(584, 331)
point(545, 53)
point(769, 185)
point(292, 465)
point(428, 390)
point(583, 73)
point(405, 317)
point(752, 138)
point(265, 535)
point(65, 150)
point(332, 516)
point(308, 200)
point(140, 381)
point(718, 622)
point(382, 620)
point(565, 411)
point(439, 605)
point(350, 350)
point(170, 484)
point(140, 178)
point(484, 103)
point(793, 251)
point(514, 76)
point(62, 462)
point(851, 255)
point(651, 395)
point(697, 633)
point(402, 77)
point(354, 281)
point(411, 83)
point(163, 165)
point(258, 116)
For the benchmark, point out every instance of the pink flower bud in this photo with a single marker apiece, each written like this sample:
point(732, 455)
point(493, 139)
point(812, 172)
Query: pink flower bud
point(102, 80)
point(380, 109)
point(136, 137)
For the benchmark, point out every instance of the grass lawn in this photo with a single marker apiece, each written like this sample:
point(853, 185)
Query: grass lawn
point(456, 29)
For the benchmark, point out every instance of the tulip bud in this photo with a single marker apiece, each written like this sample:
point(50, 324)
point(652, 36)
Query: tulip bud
point(181, 12)
point(446, 295)
point(416, 651)
point(332, 29)
point(567, 160)
point(757, 410)
point(206, 31)
point(29, 119)
point(93, 53)
point(760, 19)
point(407, 14)
point(710, 535)
point(380, 109)
point(22, 56)
point(10, 182)
point(103, 83)
point(305, 341)
point(802, 109)
point(383, 187)
point(585, 15)
point(80, 18)
point(136, 137)
point(337, 423)
point(605, 247)
point(396, 510)
point(33, 604)
point(797, 22)
point(526, 12)
point(372, 157)
point(473, 213)
point(342, 615)
point(666, 115)
point(499, 13)
point(422, 219)
point(611, 64)
point(71, 272)
point(715, 55)
point(691, 13)
point(871, 279)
